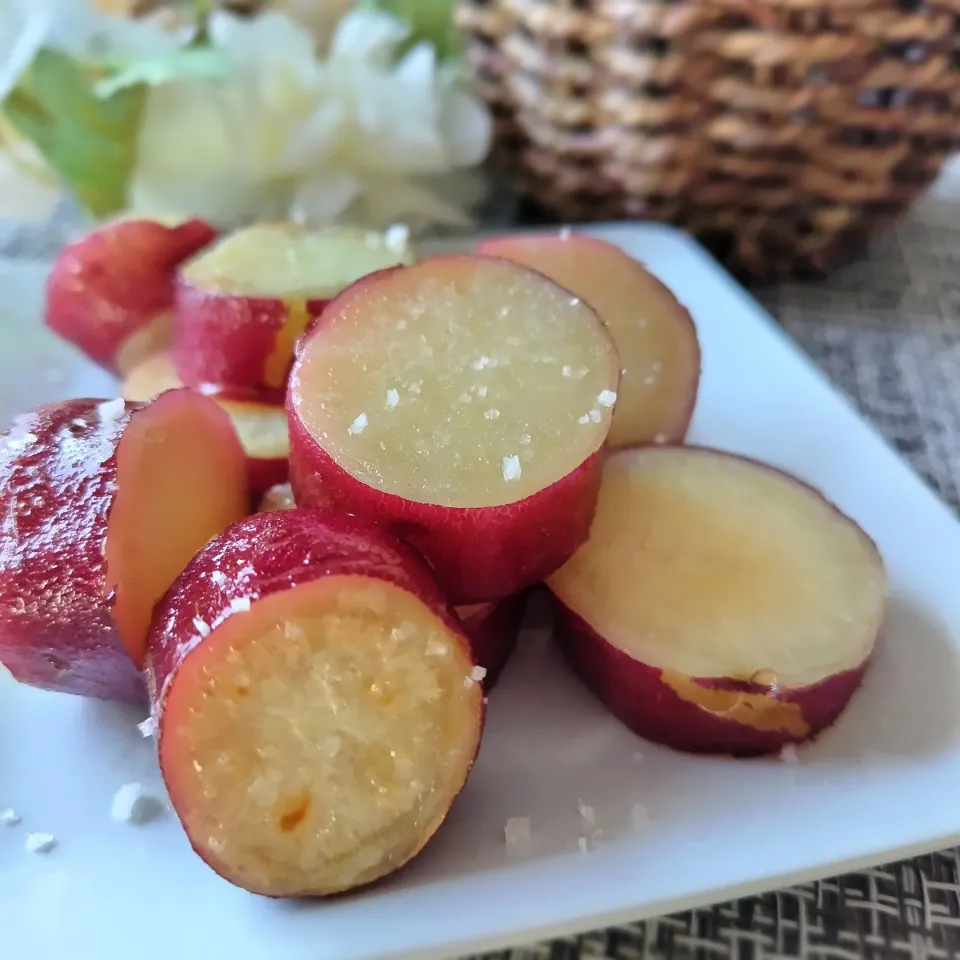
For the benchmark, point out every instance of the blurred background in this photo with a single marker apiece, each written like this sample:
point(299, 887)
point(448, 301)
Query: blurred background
point(784, 134)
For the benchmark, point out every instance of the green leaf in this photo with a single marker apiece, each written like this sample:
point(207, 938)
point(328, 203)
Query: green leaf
point(88, 140)
point(429, 20)
point(205, 63)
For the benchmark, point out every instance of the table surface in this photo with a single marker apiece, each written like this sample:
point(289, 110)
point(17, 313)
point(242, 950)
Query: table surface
point(886, 330)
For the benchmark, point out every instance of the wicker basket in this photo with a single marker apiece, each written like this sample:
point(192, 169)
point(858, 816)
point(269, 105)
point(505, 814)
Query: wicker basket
point(782, 133)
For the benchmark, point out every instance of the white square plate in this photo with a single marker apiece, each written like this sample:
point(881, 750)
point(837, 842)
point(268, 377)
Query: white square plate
point(882, 784)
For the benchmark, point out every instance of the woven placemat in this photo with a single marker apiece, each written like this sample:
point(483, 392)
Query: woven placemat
point(887, 331)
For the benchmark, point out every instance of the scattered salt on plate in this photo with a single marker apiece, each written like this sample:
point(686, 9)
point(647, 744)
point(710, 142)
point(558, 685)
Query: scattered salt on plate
point(516, 831)
point(132, 804)
point(40, 842)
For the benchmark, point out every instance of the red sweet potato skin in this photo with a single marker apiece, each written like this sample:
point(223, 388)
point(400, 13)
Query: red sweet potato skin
point(268, 553)
point(227, 340)
point(58, 478)
point(636, 694)
point(479, 554)
point(108, 285)
point(493, 629)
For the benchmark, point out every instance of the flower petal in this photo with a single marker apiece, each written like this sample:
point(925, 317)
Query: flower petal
point(268, 38)
point(387, 200)
point(323, 197)
point(368, 36)
point(313, 140)
point(466, 126)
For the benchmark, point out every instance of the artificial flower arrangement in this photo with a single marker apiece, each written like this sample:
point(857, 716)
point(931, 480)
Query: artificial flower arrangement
point(311, 110)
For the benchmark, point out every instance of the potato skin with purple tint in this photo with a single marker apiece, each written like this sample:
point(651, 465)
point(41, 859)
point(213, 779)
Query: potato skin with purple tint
point(645, 700)
point(271, 552)
point(110, 285)
point(58, 474)
point(510, 547)
point(493, 629)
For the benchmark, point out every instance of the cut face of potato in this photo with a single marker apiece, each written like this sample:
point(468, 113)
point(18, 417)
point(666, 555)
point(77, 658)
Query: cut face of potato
point(477, 368)
point(320, 739)
point(261, 427)
point(719, 604)
point(283, 260)
point(459, 386)
point(242, 306)
point(654, 335)
point(319, 712)
point(177, 486)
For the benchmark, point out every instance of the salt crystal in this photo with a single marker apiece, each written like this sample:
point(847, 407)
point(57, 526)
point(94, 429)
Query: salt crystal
point(525, 438)
point(148, 727)
point(78, 422)
point(492, 414)
point(649, 380)
point(582, 844)
point(415, 386)
point(478, 673)
point(606, 398)
point(401, 324)
point(657, 366)
point(397, 236)
point(111, 410)
point(393, 398)
point(511, 468)
point(586, 812)
point(437, 649)
point(639, 815)
point(40, 842)
point(504, 311)
point(358, 425)
point(575, 302)
point(201, 627)
point(218, 578)
point(789, 755)
point(239, 605)
point(131, 804)
point(595, 415)
point(465, 397)
point(481, 363)
point(10, 817)
point(584, 419)
point(481, 391)
point(516, 831)
point(565, 233)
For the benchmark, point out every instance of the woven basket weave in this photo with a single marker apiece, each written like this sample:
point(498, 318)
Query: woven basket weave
point(783, 133)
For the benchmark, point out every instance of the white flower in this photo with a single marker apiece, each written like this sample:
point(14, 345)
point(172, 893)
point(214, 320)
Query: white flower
point(353, 136)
